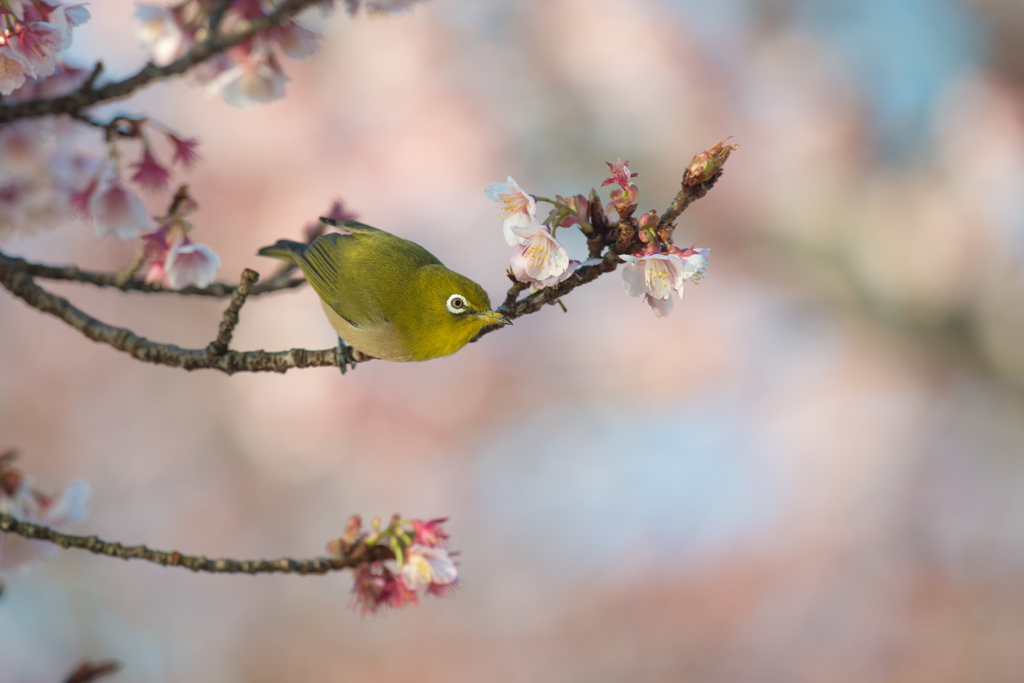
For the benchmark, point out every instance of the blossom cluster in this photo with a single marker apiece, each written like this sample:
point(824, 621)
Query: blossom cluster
point(653, 273)
point(169, 255)
point(20, 499)
point(422, 564)
point(251, 72)
point(32, 33)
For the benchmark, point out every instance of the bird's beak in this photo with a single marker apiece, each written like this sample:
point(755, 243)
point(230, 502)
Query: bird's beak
point(494, 318)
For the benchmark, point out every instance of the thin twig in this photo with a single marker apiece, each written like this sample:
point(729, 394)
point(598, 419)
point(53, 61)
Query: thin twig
point(280, 280)
point(91, 80)
point(215, 44)
point(88, 671)
point(358, 554)
point(687, 195)
point(227, 326)
point(21, 284)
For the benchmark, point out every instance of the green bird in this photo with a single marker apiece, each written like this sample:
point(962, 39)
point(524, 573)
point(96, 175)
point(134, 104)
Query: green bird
point(387, 297)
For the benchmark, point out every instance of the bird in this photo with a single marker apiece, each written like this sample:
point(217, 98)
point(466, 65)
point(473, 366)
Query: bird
point(388, 297)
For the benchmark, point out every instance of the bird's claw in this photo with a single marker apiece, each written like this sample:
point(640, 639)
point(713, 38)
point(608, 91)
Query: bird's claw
point(346, 356)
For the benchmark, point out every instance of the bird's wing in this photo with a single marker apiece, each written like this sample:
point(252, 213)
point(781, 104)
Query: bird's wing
point(323, 264)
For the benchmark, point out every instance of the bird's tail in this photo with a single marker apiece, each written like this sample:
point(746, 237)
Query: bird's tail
point(285, 250)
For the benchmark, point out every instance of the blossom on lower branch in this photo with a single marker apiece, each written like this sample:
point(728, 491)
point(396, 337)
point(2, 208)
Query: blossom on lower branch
point(20, 499)
point(655, 275)
point(419, 563)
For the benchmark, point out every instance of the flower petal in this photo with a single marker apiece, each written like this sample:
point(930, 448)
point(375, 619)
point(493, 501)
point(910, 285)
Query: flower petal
point(633, 279)
point(661, 307)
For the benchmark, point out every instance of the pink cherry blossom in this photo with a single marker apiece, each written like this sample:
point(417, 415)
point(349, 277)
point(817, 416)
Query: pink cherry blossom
point(376, 586)
point(184, 150)
point(190, 263)
point(62, 81)
point(255, 78)
point(154, 251)
point(149, 173)
point(20, 499)
point(65, 18)
point(430, 533)
point(36, 46)
point(513, 203)
point(539, 260)
point(427, 566)
point(655, 276)
point(113, 208)
point(163, 33)
point(296, 41)
point(620, 174)
point(12, 70)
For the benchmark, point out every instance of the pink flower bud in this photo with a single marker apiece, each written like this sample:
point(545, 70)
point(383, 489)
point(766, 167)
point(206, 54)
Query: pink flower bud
point(190, 263)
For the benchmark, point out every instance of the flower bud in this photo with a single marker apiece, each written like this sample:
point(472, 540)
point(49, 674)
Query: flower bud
point(708, 163)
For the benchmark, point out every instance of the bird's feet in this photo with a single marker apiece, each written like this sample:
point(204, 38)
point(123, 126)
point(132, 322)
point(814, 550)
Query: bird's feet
point(347, 356)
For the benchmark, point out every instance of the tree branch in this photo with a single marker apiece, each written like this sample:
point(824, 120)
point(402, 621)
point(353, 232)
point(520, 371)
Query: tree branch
point(88, 671)
point(21, 283)
point(280, 280)
point(87, 95)
point(357, 554)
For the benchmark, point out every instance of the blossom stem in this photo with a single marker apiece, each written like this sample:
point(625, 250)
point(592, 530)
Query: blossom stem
point(358, 554)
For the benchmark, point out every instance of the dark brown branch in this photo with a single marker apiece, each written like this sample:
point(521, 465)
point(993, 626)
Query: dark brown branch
point(280, 280)
point(21, 284)
point(88, 671)
point(89, 96)
point(358, 554)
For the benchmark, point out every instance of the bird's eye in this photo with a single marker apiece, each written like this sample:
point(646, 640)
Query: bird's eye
point(457, 304)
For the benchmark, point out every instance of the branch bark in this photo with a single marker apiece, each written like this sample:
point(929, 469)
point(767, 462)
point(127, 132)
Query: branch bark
point(358, 554)
point(279, 281)
point(87, 95)
point(21, 283)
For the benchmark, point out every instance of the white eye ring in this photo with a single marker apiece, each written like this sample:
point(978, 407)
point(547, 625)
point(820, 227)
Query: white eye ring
point(457, 304)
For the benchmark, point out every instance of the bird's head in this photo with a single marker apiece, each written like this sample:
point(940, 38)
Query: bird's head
point(449, 310)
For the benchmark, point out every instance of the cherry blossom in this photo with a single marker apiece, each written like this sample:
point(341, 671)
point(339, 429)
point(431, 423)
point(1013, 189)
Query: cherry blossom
point(149, 173)
point(655, 275)
point(184, 150)
point(296, 41)
point(114, 209)
point(540, 260)
point(12, 71)
point(190, 263)
point(255, 78)
point(427, 567)
point(430, 533)
point(620, 174)
point(20, 499)
point(163, 33)
point(514, 204)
